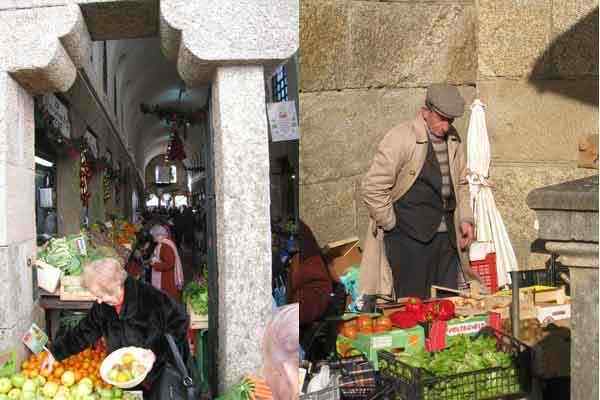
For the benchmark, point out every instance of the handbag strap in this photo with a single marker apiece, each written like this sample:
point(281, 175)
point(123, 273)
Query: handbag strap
point(188, 382)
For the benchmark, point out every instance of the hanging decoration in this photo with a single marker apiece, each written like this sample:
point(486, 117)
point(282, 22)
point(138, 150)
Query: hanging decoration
point(85, 176)
point(175, 150)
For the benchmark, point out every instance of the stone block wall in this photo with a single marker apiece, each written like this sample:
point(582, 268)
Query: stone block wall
point(365, 66)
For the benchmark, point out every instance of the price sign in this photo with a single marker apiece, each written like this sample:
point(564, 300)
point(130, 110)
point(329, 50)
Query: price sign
point(59, 112)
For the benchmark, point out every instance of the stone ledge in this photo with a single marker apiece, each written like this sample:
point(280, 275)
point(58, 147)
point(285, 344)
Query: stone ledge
point(578, 195)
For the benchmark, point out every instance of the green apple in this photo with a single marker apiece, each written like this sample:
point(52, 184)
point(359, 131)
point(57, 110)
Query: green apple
point(17, 380)
point(117, 393)
point(41, 381)
point(50, 389)
point(5, 385)
point(83, 388)
point(68, 378)
point(14, 394)
point(29, 385)
point(28, 395)
point(3, 396)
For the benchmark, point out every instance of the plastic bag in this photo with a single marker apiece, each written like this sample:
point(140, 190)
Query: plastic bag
point(319, 381)
point(350, 281)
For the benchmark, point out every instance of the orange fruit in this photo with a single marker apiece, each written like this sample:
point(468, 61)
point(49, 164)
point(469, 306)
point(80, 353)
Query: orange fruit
point(58, 372)
point(33, 373)
point(78, 375)
point(25, 365)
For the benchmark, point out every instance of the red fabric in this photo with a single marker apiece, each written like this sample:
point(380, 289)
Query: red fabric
point(166, 266)
point(119, 306)
point(311, 287)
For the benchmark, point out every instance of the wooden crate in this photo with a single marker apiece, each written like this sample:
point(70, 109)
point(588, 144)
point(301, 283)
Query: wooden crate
point(71, 289)
point(197, 321)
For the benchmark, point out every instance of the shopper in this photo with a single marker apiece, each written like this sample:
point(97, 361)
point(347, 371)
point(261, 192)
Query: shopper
point(311, 283)
point(167, 271)
point(127, 313)
point(417, 196)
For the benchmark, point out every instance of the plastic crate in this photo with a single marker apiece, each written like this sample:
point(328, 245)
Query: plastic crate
point(330, 393)
point(486, 269)
point(512, 382)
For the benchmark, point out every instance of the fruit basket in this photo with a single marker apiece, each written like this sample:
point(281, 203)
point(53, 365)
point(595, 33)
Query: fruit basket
point(510, 381)
point(127, 367)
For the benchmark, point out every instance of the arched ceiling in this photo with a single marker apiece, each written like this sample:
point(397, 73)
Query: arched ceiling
point(145, 76)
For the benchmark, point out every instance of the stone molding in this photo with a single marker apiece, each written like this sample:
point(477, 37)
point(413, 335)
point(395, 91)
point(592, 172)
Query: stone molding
point(232, 32)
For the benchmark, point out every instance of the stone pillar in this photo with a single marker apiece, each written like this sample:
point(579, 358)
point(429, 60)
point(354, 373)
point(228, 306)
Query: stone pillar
point(17, 212)
point(241, 159)
point(568, 223)
point(582, 259)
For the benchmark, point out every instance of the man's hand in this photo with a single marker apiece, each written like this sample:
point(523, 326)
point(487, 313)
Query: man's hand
point(48, 363)
point(467, 235)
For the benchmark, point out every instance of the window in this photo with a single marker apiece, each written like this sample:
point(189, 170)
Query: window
point(152, 201)
point(279, 84)
point(181, 200)
point(104, 68)
point(165, 175)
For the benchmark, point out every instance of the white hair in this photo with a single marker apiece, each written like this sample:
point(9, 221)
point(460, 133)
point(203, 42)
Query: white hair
point(106, 274)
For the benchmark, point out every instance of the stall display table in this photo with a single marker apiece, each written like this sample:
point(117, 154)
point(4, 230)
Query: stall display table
point(53, 305)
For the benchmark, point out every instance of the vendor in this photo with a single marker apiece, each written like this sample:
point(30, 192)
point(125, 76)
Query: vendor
point(127, 313)
point(167, 270)
point(417, 195)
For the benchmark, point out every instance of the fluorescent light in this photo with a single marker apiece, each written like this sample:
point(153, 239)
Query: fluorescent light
point(45, 163)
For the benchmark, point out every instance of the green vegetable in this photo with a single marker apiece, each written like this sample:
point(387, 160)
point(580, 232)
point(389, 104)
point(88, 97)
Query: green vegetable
point(463, 355)
point(241, 391)
point(196, 295)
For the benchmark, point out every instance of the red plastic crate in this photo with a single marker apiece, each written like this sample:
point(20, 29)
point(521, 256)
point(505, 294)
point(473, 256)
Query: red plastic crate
point(486, 269)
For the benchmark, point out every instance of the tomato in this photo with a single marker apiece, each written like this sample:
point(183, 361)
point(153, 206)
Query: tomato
point(384, 323)
point(367, 330)
point(414, 304)
point(364, 321)
point(350, 332)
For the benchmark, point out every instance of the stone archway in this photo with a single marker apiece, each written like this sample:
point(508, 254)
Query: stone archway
point(44, 45)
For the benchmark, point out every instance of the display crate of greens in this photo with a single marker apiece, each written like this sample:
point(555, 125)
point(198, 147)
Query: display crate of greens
point(195, 295)
point(491, 365)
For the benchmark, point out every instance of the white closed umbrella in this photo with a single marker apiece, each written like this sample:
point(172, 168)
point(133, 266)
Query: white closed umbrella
point(488, 221)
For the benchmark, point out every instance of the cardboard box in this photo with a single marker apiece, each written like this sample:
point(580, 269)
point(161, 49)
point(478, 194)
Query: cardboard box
point(71, 289)
point(548, 313)
point(408, 340)
point(466, 326)
point(342, 255)
point(197, 321)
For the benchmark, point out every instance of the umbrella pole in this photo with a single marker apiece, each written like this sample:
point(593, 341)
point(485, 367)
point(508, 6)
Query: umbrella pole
point(515, 319)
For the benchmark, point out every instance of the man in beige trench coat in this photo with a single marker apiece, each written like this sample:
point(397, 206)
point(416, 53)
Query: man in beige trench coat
point(417, 195)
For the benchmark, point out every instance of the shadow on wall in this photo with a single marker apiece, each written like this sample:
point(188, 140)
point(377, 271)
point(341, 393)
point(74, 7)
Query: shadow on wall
point(572, 55)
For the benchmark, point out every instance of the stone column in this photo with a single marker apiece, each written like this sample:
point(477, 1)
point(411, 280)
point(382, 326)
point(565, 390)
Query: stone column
point(568, 223)
point(241, 150)
point(17, 212)
point(582, 259)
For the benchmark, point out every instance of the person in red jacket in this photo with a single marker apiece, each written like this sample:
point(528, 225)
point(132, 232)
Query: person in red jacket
point(167, 271)
point(311, 282)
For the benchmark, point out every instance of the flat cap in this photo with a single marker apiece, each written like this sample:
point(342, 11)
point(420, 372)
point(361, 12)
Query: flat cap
point(445, 100)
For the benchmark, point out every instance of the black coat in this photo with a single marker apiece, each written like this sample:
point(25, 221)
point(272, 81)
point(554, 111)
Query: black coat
point(146, 315)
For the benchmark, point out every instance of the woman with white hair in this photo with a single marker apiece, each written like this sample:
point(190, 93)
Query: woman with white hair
point(167, 271)
point(126, 313)
point(281, 353)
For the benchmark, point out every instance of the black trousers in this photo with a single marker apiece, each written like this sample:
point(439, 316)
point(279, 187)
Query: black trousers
point(417, 265)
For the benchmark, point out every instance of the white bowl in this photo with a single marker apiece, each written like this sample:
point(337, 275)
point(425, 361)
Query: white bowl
point(144, 356)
